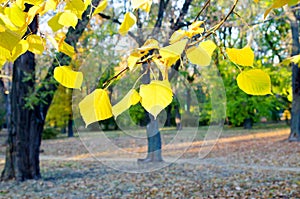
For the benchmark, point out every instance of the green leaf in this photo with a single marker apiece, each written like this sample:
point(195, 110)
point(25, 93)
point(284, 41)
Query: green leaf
point(254, 82)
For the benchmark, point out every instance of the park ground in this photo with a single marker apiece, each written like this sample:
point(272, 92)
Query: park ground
point(257, 163)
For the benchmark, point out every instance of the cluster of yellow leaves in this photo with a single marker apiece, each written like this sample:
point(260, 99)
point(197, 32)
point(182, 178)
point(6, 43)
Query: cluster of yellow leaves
point(154, 97)
point(253, 81)
point(130, 19)
point(194, 29)
point(278, 4)
point(169, 55)
point(13, 26)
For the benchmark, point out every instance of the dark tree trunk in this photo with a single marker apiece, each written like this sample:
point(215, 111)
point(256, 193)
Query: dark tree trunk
point(168, 122)
point(177, 117)
point(152, 130)
point(70, 128)
point(24, 138)
point(248, 123)
point(24, 135)
point(154, 142)
point(295, 120)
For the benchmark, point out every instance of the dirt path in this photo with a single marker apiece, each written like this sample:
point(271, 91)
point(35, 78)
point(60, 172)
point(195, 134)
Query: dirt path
point(256, 165)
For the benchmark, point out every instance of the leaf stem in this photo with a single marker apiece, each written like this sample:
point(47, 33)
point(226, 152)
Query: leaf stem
point(140, 77)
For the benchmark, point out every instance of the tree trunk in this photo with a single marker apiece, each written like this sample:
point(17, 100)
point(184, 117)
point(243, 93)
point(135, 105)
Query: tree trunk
point(295, 120)
point(153, 134)
point(154, 142)
point(248, 123)
point(24, 138)
point(24, 135)
point(70, 127)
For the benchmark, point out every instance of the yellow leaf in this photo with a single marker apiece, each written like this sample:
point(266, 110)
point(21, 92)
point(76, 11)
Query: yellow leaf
point(34, 2)
point(5, 20)
point(95, 107)
point(51, 5)
point(276, 4)
point(16, 15)
point(2, 62)
point(9, 39)
point(133, 59)
point(53, 41)
point(20, 3)
point(53, 22)
point(2, 28)
point(142, 4)
point(66, 48)
point(131, 98)
point(36, 44)
point(254, 82)
point(129, 21)
point(149, 45)
point(19, 49)
point(60, 37)
point(33, 11)
point(68, 19)
point(67, 77)
point(87, 3)
point(195, 29)
point(293, 2)
point(177, 35)
point(156, 96)
point(198, 55)
point(76, 7)
point(100, 7)
point(209, 46)
point(295, 59)
point(170, 54)
point(243, 57)
point(256, 1)
point(161, 66)
point(4, 55)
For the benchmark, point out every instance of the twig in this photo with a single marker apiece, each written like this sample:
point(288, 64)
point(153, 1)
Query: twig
point(114, 77)
point(212, 30)
point(202, 9)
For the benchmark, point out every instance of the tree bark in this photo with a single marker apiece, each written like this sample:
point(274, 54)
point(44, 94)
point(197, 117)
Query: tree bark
point(24, 137)
point(295, 120)
point(152, 130)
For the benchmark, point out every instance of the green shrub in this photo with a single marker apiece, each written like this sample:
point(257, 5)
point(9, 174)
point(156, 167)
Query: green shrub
point(50, 133)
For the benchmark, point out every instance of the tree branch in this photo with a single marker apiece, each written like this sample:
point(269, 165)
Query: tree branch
point(104, 16)
point(179, 22)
